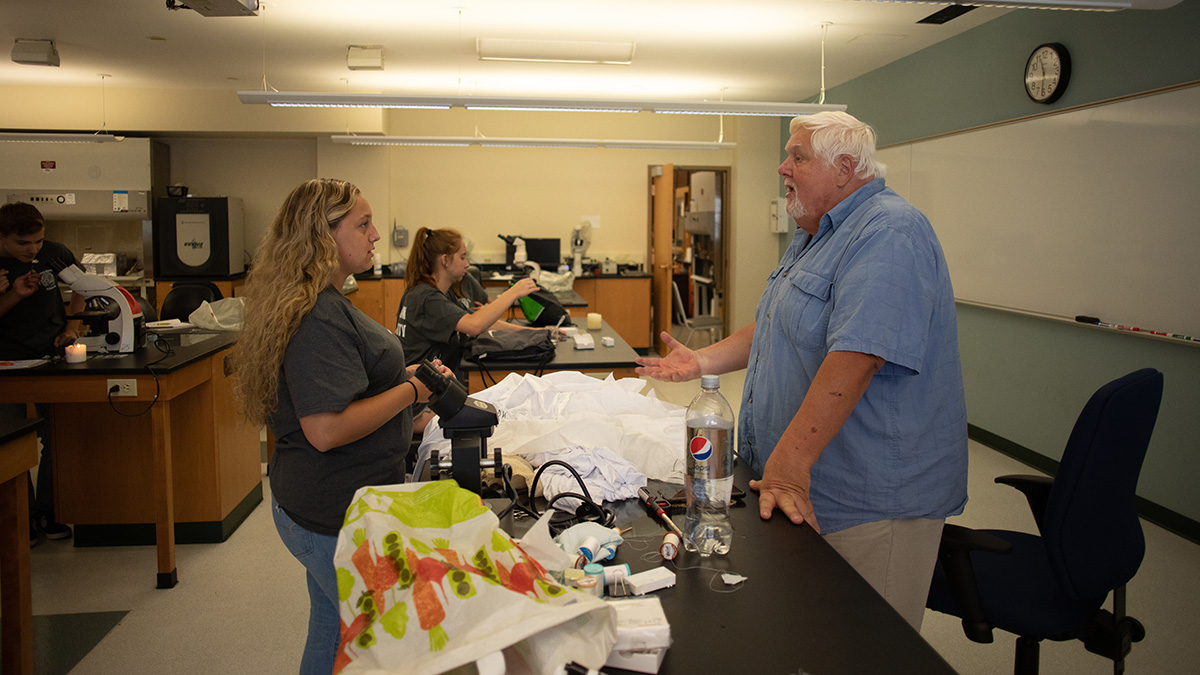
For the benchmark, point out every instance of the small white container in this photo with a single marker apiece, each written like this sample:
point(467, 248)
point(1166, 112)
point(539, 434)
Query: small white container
point(643, 635)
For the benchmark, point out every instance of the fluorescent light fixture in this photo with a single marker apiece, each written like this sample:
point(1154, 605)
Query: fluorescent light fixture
point(337, 100)
point(555, 51)
point(19, 137)
point(485, 142)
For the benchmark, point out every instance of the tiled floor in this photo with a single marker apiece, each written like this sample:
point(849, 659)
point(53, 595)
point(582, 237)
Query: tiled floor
point(240, 606)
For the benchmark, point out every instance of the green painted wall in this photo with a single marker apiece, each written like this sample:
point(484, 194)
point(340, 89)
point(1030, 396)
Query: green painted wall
point(1028, 378)
point(976, 77)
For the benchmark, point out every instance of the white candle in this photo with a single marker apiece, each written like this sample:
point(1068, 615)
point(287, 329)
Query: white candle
point(76, 353)
point(593, 321)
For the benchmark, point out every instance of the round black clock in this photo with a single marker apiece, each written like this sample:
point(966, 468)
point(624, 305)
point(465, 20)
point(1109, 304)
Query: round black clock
point(1047, 72)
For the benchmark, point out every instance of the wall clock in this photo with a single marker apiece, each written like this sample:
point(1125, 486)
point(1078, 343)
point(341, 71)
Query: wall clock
point(1047, 72)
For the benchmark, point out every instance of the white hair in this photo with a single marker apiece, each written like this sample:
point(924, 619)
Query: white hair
point(838, 133)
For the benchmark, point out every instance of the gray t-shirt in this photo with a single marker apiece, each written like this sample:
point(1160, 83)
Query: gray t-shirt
point(337, 356)
point(426, 323)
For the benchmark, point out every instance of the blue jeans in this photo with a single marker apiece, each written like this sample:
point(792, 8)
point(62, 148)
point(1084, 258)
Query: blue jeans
point(315, 552)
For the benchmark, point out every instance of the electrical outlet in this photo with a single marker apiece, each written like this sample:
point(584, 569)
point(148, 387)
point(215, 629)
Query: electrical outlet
point(123, 387)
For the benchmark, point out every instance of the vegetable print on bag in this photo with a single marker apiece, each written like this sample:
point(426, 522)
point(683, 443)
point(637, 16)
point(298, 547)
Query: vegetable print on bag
point(421, 568)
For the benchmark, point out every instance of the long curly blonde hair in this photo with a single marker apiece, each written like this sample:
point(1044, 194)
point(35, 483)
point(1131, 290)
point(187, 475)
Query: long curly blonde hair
point(295, 261)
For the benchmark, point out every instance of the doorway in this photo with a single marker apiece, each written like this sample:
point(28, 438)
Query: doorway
point(689, 243)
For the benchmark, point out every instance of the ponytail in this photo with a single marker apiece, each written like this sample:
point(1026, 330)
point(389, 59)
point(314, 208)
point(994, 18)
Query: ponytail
point(428, 245)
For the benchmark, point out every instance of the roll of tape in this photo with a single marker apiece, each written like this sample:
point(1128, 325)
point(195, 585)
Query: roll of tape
point(670, 546)
point(590, 586)
point(589, 547)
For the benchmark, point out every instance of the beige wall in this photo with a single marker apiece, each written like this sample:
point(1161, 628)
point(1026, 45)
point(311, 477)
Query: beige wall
point(538, 192)
point(755, 248)
point(259, 171)
point(222, 147)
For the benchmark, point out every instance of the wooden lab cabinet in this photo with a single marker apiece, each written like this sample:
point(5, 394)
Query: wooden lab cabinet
point(379, 299)
point(624, 302)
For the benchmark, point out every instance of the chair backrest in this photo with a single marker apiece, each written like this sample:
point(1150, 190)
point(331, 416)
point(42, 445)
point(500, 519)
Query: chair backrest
point(1091, 529)
point(679, 308)
point(184, 298)
point(148, 313)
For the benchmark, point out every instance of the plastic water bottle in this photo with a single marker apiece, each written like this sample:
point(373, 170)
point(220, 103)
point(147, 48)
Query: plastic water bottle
point(709, 475)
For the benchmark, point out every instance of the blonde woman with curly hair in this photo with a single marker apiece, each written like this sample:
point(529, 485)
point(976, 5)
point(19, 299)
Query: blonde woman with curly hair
point(328, 381)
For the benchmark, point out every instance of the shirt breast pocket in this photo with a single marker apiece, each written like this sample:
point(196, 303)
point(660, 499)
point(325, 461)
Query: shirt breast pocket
point(805, 315)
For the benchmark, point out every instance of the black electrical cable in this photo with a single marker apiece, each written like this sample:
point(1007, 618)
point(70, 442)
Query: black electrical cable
point(166, 349)
point(587, 511)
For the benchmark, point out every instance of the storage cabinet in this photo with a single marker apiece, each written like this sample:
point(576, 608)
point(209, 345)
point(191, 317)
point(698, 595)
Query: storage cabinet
point(624, 302)
point(379, 299)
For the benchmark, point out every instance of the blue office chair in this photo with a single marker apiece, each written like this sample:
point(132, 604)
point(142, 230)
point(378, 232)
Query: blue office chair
point(185, 297)
point(1054, 586)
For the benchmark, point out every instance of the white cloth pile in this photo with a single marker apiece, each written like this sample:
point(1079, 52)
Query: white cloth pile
point(569, 412)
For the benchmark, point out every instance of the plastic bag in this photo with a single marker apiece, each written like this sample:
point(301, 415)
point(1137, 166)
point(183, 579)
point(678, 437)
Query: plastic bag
point(224, 314)
point(556, 282)
point(428, 582)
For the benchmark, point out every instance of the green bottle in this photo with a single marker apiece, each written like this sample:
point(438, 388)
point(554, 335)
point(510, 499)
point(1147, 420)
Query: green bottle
point(532, 308)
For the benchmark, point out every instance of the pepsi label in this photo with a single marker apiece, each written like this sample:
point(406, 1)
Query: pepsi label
point(710, 455)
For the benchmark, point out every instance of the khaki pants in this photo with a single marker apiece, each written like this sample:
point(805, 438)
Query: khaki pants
point(896, 557)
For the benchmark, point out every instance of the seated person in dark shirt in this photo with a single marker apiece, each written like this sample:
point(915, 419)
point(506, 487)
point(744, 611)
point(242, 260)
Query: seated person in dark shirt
point(33, 324)
point(436, 315)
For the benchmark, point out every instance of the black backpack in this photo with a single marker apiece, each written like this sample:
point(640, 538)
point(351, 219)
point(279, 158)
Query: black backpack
point(551, 311)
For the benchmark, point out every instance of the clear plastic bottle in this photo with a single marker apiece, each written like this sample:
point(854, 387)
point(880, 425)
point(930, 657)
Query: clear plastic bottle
point(709, 475)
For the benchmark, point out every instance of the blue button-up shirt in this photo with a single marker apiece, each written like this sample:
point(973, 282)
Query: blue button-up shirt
point(872, 280)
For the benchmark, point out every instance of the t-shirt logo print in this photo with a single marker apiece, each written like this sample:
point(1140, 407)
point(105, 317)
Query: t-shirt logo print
point(701, 448)
point(47, 280)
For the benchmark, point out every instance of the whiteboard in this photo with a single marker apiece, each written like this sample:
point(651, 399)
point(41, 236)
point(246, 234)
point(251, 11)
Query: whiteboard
point(1094, 211)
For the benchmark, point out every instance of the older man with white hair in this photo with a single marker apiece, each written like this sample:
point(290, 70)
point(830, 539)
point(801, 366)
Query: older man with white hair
point(853, 409)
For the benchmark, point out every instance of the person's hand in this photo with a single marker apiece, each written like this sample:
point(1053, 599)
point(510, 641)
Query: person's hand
point(4, 283)
point(522, 288)
point(26, 284)
point(681, 365)
point(67, 337)
point(784, 486)
point(423, 392)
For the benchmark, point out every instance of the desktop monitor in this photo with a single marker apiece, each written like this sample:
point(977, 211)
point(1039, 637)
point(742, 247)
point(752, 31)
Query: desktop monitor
point(547, 253)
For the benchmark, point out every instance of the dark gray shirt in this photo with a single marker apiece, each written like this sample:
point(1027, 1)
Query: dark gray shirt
point(28, 330)
point(337, 356)
point(427, 324)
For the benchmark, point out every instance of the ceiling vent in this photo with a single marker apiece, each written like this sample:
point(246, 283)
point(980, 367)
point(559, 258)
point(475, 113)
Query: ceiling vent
point(365, 57)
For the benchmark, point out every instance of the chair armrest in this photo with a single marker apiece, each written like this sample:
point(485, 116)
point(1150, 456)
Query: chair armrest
point(959, 538)
point(1036, 490)
point(954, 552)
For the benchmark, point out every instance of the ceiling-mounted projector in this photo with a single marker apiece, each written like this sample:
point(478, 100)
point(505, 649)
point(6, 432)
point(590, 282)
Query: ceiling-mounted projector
point(218, 7)
point(35, 52)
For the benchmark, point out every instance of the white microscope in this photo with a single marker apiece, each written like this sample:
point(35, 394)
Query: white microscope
point(113, 316)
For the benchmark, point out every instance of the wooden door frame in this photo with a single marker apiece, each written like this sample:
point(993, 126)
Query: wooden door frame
point(660, 242)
